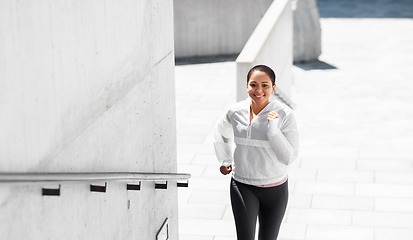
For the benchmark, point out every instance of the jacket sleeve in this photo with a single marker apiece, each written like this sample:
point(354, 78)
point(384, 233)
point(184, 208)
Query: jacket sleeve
point(223, 141)
point(284, 138)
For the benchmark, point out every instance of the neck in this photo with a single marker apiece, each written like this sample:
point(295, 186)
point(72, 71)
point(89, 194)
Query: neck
point(256, 108)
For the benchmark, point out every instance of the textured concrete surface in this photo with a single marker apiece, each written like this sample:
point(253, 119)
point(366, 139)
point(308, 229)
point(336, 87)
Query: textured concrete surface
point(87, 87)
point(354, 175)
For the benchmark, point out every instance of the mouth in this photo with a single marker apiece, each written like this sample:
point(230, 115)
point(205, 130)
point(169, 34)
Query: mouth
point(259, 96)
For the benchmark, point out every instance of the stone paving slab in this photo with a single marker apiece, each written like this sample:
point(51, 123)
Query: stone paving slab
point(354, 175)
point(322, 232)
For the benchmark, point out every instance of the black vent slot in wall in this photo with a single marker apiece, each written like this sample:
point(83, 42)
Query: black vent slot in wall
point(96, 188)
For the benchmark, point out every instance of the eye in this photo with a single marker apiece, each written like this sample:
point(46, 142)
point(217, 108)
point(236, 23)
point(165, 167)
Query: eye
point(252, 84)
point(265, 85)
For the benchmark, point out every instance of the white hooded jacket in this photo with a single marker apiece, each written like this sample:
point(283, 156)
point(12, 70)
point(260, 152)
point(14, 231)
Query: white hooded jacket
point(264, 149)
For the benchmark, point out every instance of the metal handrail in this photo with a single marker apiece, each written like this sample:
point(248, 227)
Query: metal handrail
point(76, 177)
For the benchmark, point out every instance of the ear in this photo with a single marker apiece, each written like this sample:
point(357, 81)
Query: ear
point(273, 88)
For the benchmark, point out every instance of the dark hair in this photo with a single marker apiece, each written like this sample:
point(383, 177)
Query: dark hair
point(262, 68)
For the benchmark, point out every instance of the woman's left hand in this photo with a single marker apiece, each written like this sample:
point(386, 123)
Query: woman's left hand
point(272, 116)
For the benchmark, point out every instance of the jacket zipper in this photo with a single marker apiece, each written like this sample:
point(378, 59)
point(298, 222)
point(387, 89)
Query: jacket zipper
point(249, 130)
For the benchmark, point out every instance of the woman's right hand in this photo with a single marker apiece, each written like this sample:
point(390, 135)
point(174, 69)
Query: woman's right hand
point(225, 170)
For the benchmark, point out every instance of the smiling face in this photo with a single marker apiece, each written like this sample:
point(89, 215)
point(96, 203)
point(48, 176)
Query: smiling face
point(260, 88)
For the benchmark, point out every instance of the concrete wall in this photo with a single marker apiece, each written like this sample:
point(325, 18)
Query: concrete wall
point(215, 27)
point(87, 86)
point(307, 31)
point(271, 44)
point(212, 27)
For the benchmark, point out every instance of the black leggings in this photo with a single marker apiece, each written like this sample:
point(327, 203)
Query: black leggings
point(268, 204)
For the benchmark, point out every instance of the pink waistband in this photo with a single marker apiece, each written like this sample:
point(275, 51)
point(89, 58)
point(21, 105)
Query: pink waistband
point(273, 184)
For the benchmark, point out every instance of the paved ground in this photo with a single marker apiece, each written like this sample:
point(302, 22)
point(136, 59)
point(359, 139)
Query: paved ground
point(354, 176)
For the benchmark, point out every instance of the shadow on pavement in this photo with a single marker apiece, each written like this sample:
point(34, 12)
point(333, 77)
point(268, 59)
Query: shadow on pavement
point(205, 59)
point(316, 65)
